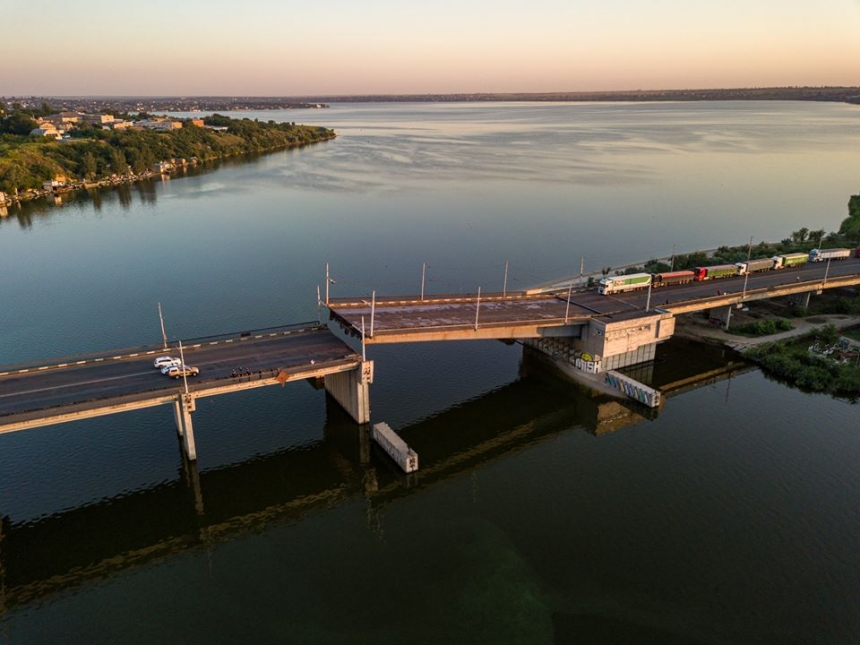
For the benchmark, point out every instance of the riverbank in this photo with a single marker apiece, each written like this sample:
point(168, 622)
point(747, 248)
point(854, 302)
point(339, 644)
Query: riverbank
point(698, 328)
point(86, 155)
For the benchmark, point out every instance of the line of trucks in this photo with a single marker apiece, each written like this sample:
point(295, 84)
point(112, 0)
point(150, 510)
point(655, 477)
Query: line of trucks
point(636, 281)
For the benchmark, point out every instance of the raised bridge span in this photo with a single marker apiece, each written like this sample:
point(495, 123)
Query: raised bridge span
point(593, 331)
point(544, 312)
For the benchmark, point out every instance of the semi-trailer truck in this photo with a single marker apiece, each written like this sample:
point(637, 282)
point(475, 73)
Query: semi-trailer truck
point(622, 283)
point(718, 271)
point(753, 266)
point(671, 277)
point(790, 260)
point(820, 255)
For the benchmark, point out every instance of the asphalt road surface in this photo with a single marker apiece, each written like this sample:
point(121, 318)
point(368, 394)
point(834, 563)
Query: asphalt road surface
point(109, 378)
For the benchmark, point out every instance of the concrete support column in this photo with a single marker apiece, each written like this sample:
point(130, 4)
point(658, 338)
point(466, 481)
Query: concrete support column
point(182, 409)
point(352, 390)
point(723, 314)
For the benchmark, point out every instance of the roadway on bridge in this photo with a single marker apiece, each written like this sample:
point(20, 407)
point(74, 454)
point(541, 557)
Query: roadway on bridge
point(398, 317)
point(52, 387)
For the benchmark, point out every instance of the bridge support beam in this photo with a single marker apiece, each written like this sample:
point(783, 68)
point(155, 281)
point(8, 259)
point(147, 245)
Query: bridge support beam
point(801, 299)
point(183, 406)
point(352, 390)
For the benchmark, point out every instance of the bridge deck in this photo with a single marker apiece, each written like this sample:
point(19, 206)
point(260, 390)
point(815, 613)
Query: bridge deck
point(526, 315)
point(445, 317)
point(117, 381)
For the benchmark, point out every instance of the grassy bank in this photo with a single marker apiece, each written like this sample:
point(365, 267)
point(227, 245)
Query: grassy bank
point(819, 362)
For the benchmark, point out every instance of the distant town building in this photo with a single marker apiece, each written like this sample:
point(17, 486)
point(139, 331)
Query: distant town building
point(54, 184)
point(47, 131)
point(63, 117)
point(97, 119)
point(153, 124)
point(119, 125)
point(198, 122)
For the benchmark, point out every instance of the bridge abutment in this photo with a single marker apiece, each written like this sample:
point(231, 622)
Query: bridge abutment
point(352, 390)
point(626, 340)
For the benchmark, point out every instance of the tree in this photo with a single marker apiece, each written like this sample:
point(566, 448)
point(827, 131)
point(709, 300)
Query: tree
point(850, 226)
point(19, 123)
point(799, 236)
point(118, 162)
point(815, 237)
point(87, 165)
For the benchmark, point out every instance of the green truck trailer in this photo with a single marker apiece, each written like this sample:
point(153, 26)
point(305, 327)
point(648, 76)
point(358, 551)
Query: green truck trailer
point(622, 283)
point(790, 260)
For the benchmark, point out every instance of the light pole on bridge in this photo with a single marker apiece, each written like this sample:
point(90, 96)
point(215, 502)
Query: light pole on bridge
point(747, 270)
point(163, 335)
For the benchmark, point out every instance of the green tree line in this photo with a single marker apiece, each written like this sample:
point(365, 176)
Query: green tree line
point(92, 153)
point(801, 240)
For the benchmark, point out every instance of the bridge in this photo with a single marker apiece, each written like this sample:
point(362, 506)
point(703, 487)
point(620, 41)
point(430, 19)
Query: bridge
point(81, 387)
point(600, 332)
point(587, 333)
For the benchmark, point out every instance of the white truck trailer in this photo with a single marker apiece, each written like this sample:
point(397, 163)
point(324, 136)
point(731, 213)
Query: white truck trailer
point(820, 255)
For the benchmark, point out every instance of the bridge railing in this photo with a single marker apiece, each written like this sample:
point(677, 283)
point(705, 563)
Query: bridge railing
point(80, 359)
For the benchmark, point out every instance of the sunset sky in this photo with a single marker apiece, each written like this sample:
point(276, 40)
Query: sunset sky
point(285, 48)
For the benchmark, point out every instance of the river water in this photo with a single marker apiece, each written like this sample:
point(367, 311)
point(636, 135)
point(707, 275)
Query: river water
point(539, 515)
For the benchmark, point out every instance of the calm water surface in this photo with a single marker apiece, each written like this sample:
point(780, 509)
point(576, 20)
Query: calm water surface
point(539, 515)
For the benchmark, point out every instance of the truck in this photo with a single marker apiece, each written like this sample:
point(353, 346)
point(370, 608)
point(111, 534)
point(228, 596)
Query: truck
point(671, 277)
point(820, 255)
point(622, 283)
point(717, 271)
point(790, 260)
point(753, 266)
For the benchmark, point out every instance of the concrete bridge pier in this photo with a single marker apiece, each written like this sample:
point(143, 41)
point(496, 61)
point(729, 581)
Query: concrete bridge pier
point(801, 299)
point(352, 390)
point(722, 314)
point(183, 406)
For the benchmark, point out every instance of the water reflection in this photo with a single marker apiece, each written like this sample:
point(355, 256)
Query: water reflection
point(92, 543)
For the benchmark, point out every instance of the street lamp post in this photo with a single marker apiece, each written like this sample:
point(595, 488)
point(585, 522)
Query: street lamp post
point(747, 270)
point(182, 358)
point(505, 284)
point(567, 307)
point(163, 335)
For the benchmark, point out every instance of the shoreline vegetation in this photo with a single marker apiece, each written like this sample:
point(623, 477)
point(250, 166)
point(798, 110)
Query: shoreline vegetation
point(89, 155)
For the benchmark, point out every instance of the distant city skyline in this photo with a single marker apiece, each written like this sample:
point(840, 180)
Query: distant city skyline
point(339, 47)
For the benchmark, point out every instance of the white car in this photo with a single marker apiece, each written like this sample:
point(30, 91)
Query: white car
point(166, 361)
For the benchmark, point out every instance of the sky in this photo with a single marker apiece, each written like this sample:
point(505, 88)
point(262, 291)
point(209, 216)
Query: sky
point(347, 47)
